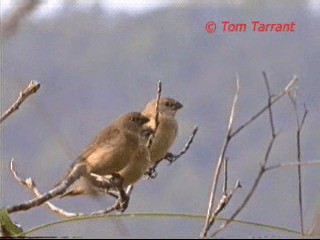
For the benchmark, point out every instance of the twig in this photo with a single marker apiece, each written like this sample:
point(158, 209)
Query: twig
point(293, 164)
point(174, 157)
point(266, 81)
point(249, 195)
point(150, 140)
point(29, 183)
point(31, 89)
point(225, 185)
point(210, 216)
point(129, 190)
point(262, 168)
point(299, 158)
point(75, 173)
point(151, 172)
point(277, 97)
point(225, 199)
point(288, 88)
point(298, 139)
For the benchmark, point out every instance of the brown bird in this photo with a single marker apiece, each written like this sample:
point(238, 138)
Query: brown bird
point(139, 163)
point(168, 125)
point(110, 152)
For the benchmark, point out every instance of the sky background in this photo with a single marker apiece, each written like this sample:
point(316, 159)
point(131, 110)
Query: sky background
point(94, 64)
point(133, 6)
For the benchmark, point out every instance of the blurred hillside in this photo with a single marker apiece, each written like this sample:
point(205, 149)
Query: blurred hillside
point(95, 65)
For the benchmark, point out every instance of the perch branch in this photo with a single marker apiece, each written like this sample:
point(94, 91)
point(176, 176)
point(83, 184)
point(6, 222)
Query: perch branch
point(225, 199)
point(299, 157)
point(30, 89)
point(266, 81)
point(174, 157)
point(293, 164)
point(287, 89)
point(210, 217)
point(150, 141)
point(151, 172)
point(30, 184)
point(263, 164)
point(284, 92)
point(75, 173)
point(225, 184)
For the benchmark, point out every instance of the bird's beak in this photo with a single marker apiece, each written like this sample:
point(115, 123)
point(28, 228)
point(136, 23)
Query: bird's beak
point(178, 105)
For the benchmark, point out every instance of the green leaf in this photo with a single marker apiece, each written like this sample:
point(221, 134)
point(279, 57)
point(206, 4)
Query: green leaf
point(8, 228)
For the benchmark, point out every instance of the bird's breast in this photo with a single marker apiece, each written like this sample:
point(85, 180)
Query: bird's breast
point(164, 138)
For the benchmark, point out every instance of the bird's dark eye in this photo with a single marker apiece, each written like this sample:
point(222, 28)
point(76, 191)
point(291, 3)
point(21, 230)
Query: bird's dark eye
point(132, 119)
point(167, 104)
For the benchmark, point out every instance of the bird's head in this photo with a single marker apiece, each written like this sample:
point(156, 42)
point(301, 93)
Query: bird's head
point(167, 106)
point(133, 120)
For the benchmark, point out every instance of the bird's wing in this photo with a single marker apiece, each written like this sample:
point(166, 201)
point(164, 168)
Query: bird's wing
point(109, 136)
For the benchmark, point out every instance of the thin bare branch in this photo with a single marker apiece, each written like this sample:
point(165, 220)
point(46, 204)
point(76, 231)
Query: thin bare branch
point(129, 190)
point(303, 117)
point(285, 91)
point(225, 199)
point(299, 157)
point(30, 184)
point(293, 164)
point(252, 190)
point(157, 105)
point(173, 157)
point(230, 134)
point(149, 144)
point(151, 172)
point(210, 217)
point(233, 109)
point(262, 168)
point(225, 185)
point(30, 89)
point(75, 173)
point(269, 102)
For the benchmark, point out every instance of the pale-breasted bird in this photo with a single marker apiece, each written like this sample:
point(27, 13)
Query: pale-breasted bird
point(138, 165)
point(168, 126)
